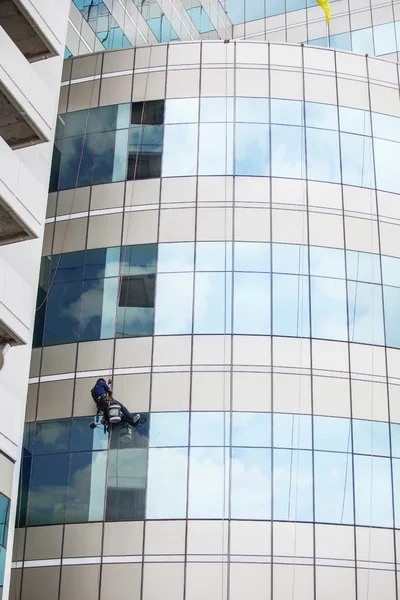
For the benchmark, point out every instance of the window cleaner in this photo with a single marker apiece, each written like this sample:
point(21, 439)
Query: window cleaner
point(113, 411)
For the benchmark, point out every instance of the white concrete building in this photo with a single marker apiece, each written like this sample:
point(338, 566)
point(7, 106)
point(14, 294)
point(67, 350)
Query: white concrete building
point(32, 37)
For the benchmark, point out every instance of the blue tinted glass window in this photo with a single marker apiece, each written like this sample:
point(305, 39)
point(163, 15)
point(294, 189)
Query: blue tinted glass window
point(293, 485)
point(251, 303)
point(365, 313)
point(291, 309)
point(182, 110)
point(64, 267)
point(52, 436)
point(333, 481)
point(251, 483)
point(328, 308)
point(180, 150)
point(287, 112)
point(85, 438)
point(208, 483)
point(126, 480)
point(98, 309)
point(362, 41)
point(384, 39)
point(210, 429)
point(357, 160)
point(175, 257)
point(323, 116)
point(396, 491)
point(391, 271)
point(332, 433)
point(292, 431)
point(395, 439)
point(254, 10)
point(235, 10)
point(373, 491)
point(200, 19)
point(362, 266)
point(212, 303)
point(86, 487)
point(72, 160)
point(47, 489)
point(290, 258)
point(167, 479)
point(252, 149)
point(251, 429)
point(169, 429)
point(216, 149)
point(162, 29)
point(287, 151)
point(353, 120)
point(252, 110)
point(213, 256)
point(216, 110)
point(323, 155)
point(173, 316)
point(138, 260)
point(371, 437)
point(386, 165)
point(319, 41)
point(386, 127)
point(342, 41)
point(324, 261)
point(104, 262)
point(391, 298)
point(252, 256)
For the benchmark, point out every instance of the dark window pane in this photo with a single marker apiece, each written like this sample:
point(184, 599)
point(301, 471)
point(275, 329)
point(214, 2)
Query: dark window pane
point(23, 492)
point(102, 262)
point(52, 436)
point(85, 438)
point(145, 149)
point(126, 482)
point(103, 118)
point(62, 315)
point(67, 267)
point(139, 259)
point(138, 291)
point(98, 309)
point(74, 159)
point(76, 123)
point(55, 169)
point(148, 113)
point(104, 154)
point(86, 487)
point(4, 516)
point(47, 489)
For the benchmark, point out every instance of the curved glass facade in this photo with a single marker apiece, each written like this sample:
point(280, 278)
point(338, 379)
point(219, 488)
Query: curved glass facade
point(227, 251)
point(248, 288)
point(230, 136)
point(281, 466)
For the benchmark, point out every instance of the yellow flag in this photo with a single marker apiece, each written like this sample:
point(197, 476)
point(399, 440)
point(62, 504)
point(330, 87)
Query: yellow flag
point(324, 4)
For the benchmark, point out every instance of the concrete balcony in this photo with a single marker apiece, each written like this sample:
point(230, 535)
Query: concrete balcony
point(34, 27)
point(16, 306)
point(20, 199)
point(26, 104)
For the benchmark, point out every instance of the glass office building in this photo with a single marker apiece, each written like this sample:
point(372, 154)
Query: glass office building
point(221, 240)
